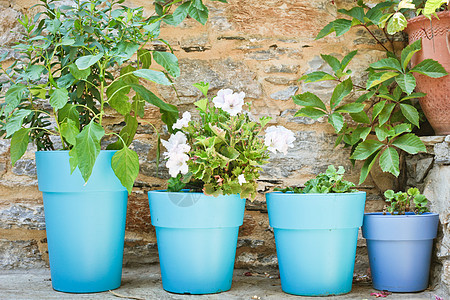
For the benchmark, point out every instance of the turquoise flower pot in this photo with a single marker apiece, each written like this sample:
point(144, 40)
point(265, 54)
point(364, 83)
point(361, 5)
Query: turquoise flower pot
point(316, 237)
point(85, 223)
point(197, 238)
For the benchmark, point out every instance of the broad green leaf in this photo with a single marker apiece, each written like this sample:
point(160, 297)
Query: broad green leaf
point(410, 143)
point(73, 160)
point(310, 112)
point(79, 74)
point(309, 99)
point(59, 98)
point(410, 113)
point(202, 104)
point(406, 4)
point(340, 92)
point(389, 161)
point(356, 12)
point(151, 98)
point(385, 114)
point(413, 96)
point(360, 117)
point(351, 108)
point(332, 61)
point(87, 148)
point(125, 164)
point(126, 74)
point(346, 60)
point(118, 98)
point(376, 78)
point(152, 75)
point(396, 23)
point(201, 15)
point(406, 82)
point(365, 132)
point(366, 149)
point(168, 61)
point(329, 28)
point(69, 111)
point(85, 62)
point(381, 133)
point(367, 166)
point(341, 26)
point(125, 51)
point(336, 120)
point(145, 58)
point(408, 52)
point(377, 108)
point(19, 144)
point(401, 128)
point(69, 131)
point(365, 97)
point(387, 64)
point(34, 72)
point(15, 121)
point(14, 96)
point(430, 68)
point(39, 91)
point(178, 15)
point(202, 87)
point(316, 76)
point(431, 6)
point(127, 134)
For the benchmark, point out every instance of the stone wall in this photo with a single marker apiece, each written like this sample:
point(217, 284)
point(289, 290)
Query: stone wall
point(259, 47)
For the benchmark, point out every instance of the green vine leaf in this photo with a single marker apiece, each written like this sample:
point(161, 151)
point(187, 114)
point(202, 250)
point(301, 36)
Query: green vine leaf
point(125, 164)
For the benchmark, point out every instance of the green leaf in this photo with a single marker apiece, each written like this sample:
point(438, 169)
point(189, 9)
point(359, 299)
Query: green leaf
point(15, 121)
point(366, 149)
point(180, 13)
point(396, 23)
point(385, 114)
point(316, 76)
point(431, 6)
point(127, 133)
point(387, 64)
point(14, 96)
point(73, 160)
point(376, 78)
point(69, 131)
point(406, 82)
point(367, 166)
point(79, 74)
point(19, 144)
point(168, 61)
point(401, 128)
point(341, 26)
point(69, 111)
point(381, 133)
point(332, 61)
point(351, 108)
point(118, 98)
point(360, 117)
point(125, 164)
point(85, 62)
point(340, 92)
point(410, 143)
point(201, 15)
point(309, 99)
point(202, 104)
point(377, 109)
point(430, 68)
point(87, 148)
point(356, 12)
point(145, 58)
point(410, 113)
point(125, 51)
point(154, 76)
point(59, 98)
point(329, 28)
point(409, 51)
point(203, 87)
point(389, 161)
point(346, 60)
point(151, 98)
point(310, 112)
point(336, 120)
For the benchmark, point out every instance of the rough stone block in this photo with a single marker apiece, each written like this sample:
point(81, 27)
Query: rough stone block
point(285, 94)
point(20, 254)
point(23, 216)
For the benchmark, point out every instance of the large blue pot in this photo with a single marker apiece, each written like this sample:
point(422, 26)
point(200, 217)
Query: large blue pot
point(316, 237)
point(197, 238)
point(85, 223)
point(400, 250)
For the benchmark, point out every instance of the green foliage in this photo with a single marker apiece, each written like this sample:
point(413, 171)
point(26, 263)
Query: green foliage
point(222, 148)
point(377, 125)
point(329, 182)
point(80, 59)
point(401, 202)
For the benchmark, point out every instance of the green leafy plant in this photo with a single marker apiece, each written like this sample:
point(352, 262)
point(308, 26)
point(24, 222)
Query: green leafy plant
point(379, 123)
point(76, 61)
point(401, 202)
point(331, 181)
point(222, 152)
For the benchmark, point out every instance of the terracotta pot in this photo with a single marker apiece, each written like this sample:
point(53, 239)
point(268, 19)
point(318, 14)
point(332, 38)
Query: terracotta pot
point(435, 37)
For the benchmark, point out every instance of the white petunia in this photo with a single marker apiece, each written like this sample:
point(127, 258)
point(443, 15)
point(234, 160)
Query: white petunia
point(230, 102)
point(177, 163)
point(177, 144)
point(184, 121)
point(241, 179)
point(279, 138)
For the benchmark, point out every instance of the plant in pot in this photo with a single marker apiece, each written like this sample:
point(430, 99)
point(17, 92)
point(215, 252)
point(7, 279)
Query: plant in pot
point(307, 223)
point(77, 63)
point(400, 242)
point(214, 162)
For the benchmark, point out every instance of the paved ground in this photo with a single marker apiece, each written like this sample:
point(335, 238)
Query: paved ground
point(144, 282)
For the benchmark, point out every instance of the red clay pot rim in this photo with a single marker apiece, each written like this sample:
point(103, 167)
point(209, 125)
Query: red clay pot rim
point(442, 14)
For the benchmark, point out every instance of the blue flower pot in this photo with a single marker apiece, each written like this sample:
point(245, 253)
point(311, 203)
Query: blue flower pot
point(85, 223)
point(316, 237)
point(400, 248)
point(197, 238)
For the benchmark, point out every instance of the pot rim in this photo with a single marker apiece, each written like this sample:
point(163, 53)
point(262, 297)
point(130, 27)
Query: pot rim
point(422, 18)
point(380, 215)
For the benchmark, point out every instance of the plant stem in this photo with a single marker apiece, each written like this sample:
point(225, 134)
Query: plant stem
point(376, 39)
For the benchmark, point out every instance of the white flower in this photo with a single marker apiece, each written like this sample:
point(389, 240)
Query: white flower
point(230, 102)
point(278, 138)
point(177, 144)
point(241, 179)
point(177, 163)
point(184, 121)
